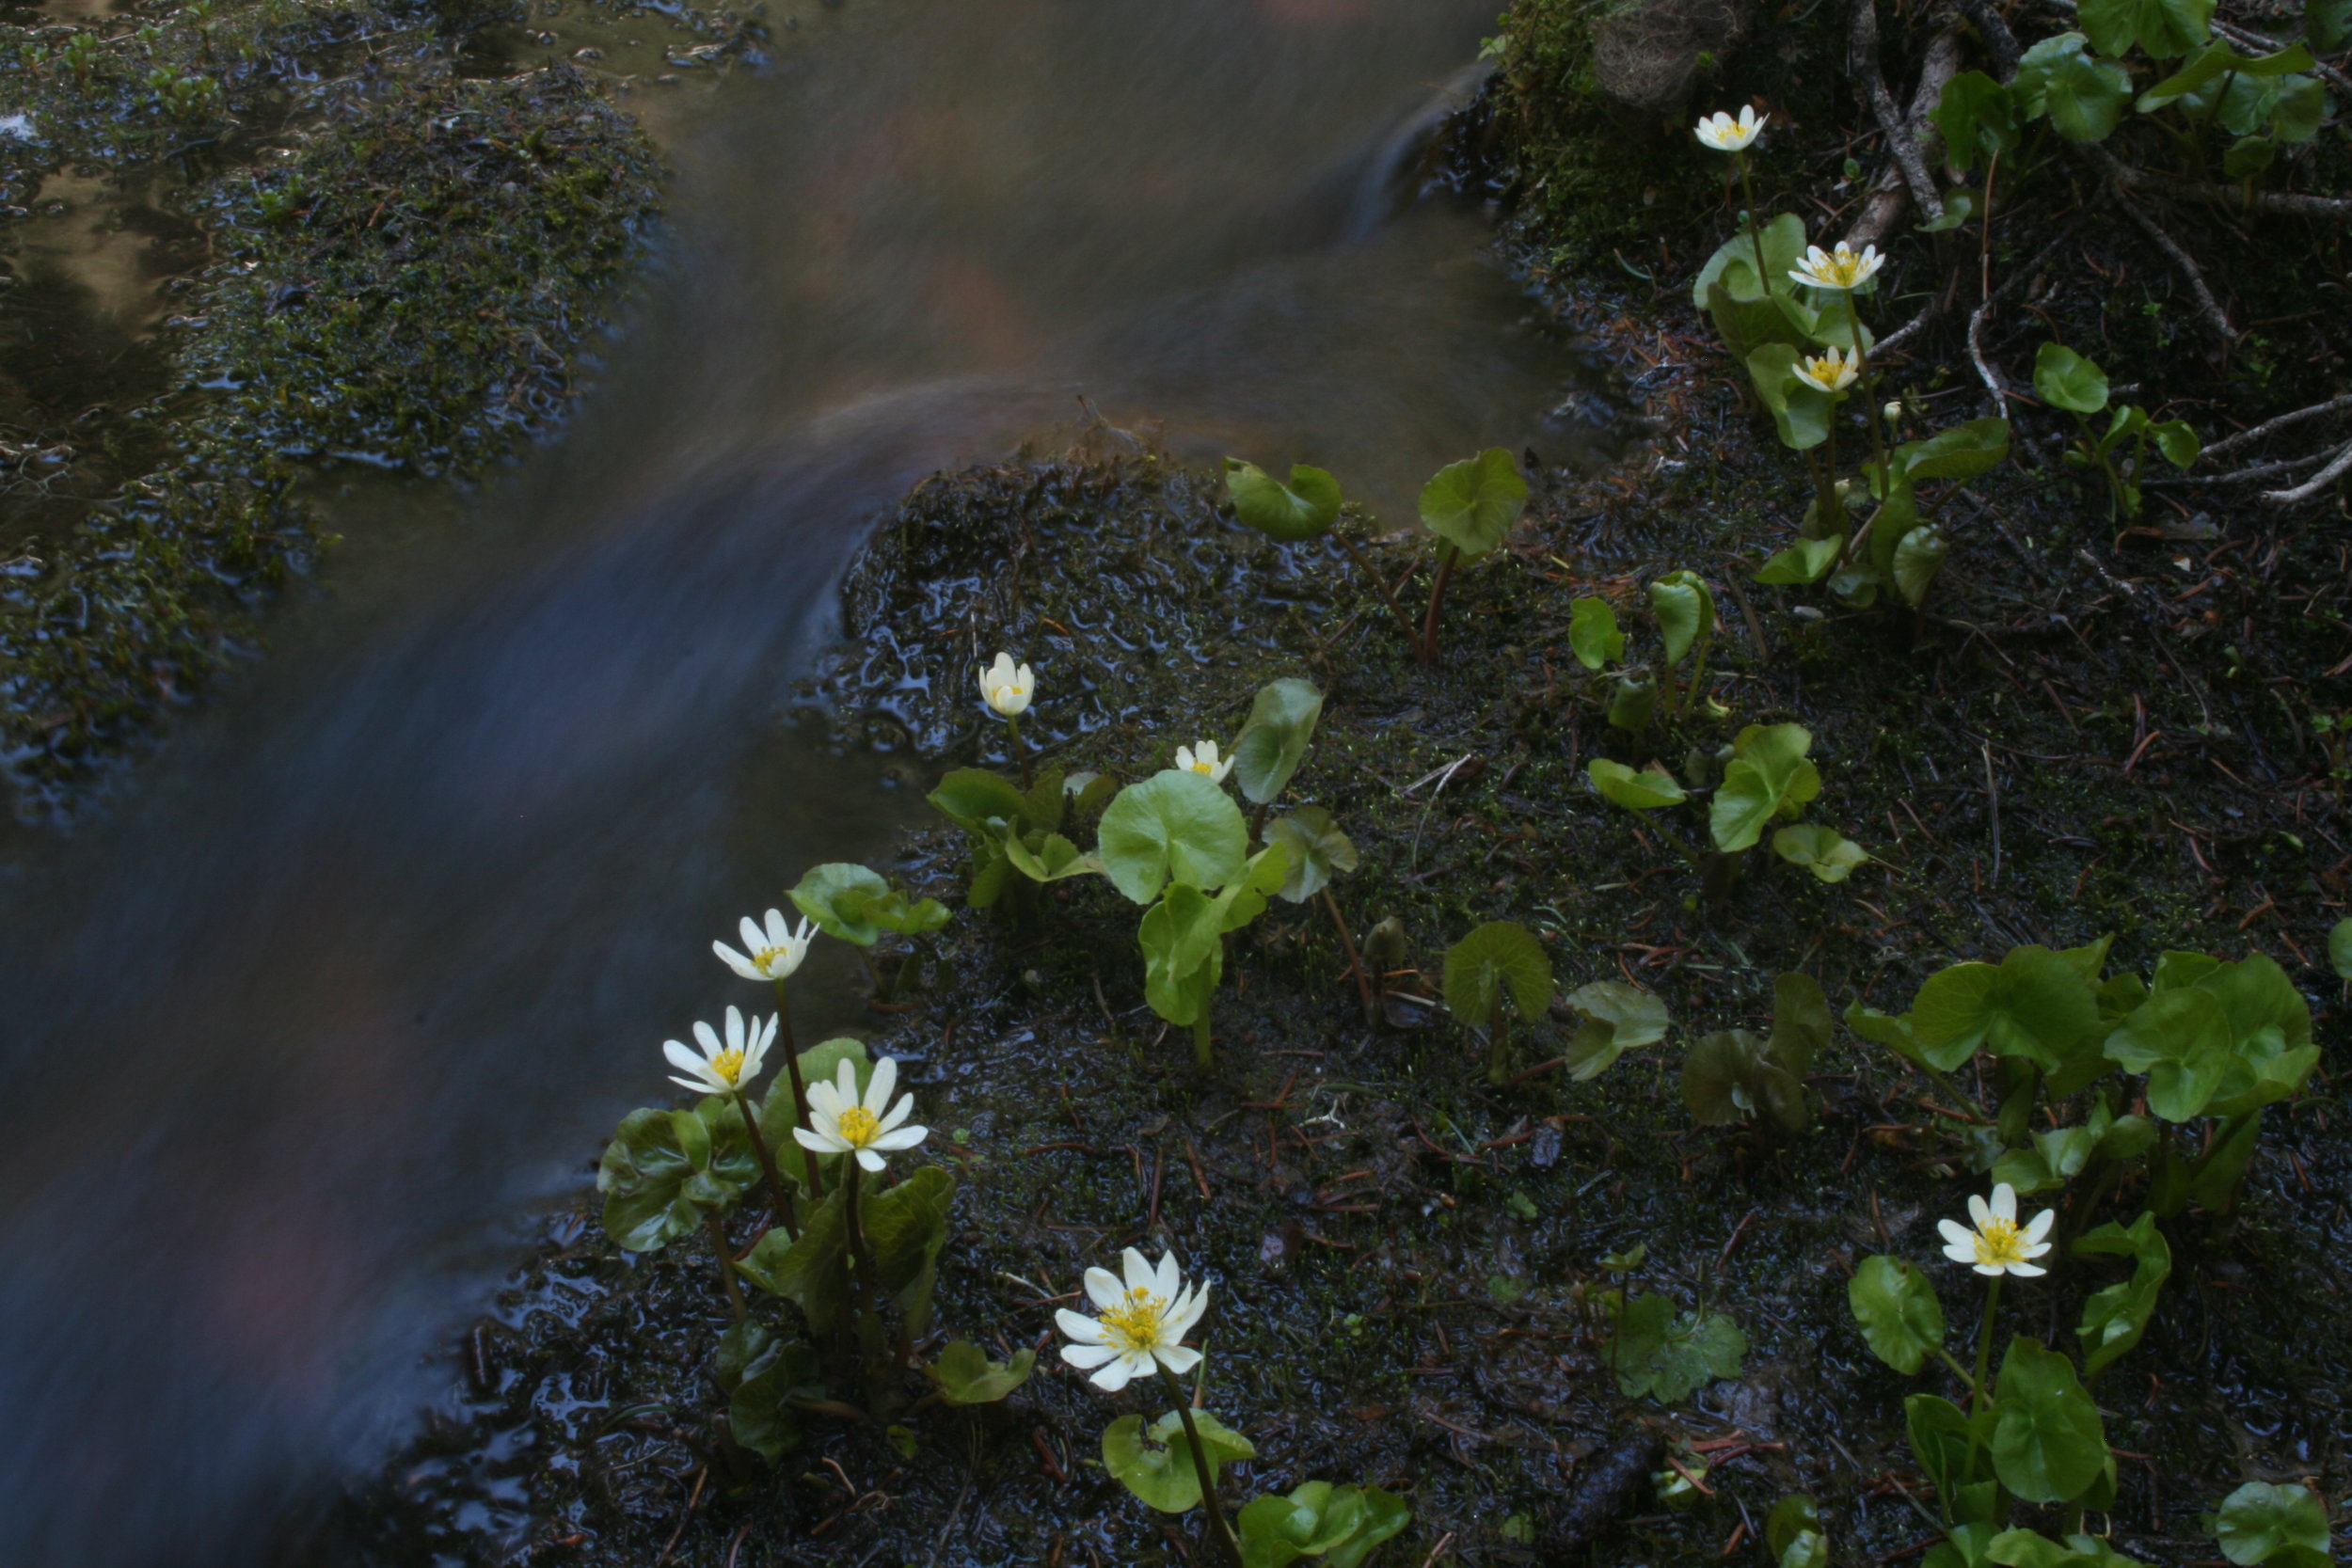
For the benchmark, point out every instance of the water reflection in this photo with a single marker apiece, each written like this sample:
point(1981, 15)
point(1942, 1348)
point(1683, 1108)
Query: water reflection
point(387, 945)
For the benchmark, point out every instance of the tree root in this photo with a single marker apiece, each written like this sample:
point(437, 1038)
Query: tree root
point(2289, 204)
point(2319, 482)
point(1892, 193)
point(2209, 311)
point(1903, 140)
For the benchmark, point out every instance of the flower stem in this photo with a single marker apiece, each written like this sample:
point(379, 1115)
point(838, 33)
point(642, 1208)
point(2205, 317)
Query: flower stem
point(1448, 555)
point(725, 1256)
point(1756, 231)
point(860, 1261)
point(776, 1195)
point(799, 1090)
point(1980, 1394)
point(1220, 1528)
point(1020, 752)
point(1202, 1053)
point(1354, 961)
point(1380, 584)
point(1698, 677)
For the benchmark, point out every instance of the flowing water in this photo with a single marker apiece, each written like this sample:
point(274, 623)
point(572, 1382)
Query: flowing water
point(392, 937)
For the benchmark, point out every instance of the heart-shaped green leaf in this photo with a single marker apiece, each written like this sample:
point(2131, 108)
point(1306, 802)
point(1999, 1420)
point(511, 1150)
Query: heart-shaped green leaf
point(1647, 790)
point(1155, 1464)
point(2048, 1444)
point(1899, 1312)
point(1593, 634)
point(1173, 825)
point(1472, 504)
point(1500, 956)
point(1267, 753)
point(1304, 509)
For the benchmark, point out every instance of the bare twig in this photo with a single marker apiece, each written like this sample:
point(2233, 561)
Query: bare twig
point(2247, 437)
point(2314, 485)
point(1902, 145)
point(1892, 193)
point(1985, 373)
point(2209, 312)
point(2254, 475)
point(2293, 203)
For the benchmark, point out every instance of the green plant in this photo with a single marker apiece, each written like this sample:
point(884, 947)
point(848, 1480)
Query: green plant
point(1174, 1464)
point(1731, 1078)
point(1468, 507)
point(1498, 960)
point(1308, 507)
point(857, 905)
point(1768, 778)
point(1660, 1351)
point(2213, 1043)
point(2065, 379)
point(2278, 1526)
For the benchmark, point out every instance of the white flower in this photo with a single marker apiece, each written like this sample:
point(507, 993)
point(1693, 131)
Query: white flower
point(722, 1069)
point(1841, 271)
point(840, 1123)
point(1007, 687)
point(1141, 1322)
point(1893, 411)
point(1205, 760)
point(770, 955)
point(1726, 134)
point(1998, 1244)
point(1832, 371)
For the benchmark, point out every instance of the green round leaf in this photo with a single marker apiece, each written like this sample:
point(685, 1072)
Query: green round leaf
point(2048, 1443)
point(979, 801)
point(1631, 702)
point(1794, 1536)
point(1918, 558)
point(1897, 1310)
point(1807, 560)
point(1303, 509)
point(1769, 776)
point(2164, 29)
point(1685, 611)
point(965, 1375)
point(1499, 956)
point(1472, 504)
point(1962, 452)
point(1593, 634)
point(1801, 411)
point(1717, 1077)
point(1647, 790)
point(1313, 849)
point(1976, 117)
point(2181, 1039)
point(1175, 825)
point(1617, 1018)
point(2064, 379)
point(1273, 743)
point(1155, 1464)
point(664, 1170)
point(823, 897)
point(1820, 851)
point(2261, 1523)
point(1664, 1354)
point(2034, 1004)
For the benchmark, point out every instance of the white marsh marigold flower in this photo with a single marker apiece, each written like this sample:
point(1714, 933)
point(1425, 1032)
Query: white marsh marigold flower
point(841, 1123)
point(1840, 270)
point(1726, 134)
point(1998, 1244)
point(1007, 687)
point(1831, 371)
point(723, 1068)
point(1140, 1326)
point(1205, 760)
point(772, 954)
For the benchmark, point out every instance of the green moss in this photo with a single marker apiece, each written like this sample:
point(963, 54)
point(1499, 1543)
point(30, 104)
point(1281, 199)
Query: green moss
point(408, 280)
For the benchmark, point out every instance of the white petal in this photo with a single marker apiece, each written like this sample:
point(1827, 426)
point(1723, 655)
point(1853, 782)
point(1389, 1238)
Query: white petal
point(754, 938)
point(2005, 1202)
point(1179, 1321)
point(1078, 1326)
point(905, 1137)
point(808, 1139)
point(681, 1058)
point(2027, 1271)
point(1980, 1211)
point(846, 1082)
point(1179, 1359)
point(1103, 1289)
point(736, 961)
point(1958, 1234)
point(1168, 1281)
point(2040, 1226)
point(707, 1038)
point(1087, 1357)
point(870, 1159)
point(825, 1100)
point(1138, 1273)
point(1116, 1375)
point(698, 1086)
point(898, 1114)
point(879, 1087)
point(1991, 1269)
point(756, 1056)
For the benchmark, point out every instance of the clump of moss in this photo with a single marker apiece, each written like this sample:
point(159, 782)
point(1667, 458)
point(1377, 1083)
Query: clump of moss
point(405, 279)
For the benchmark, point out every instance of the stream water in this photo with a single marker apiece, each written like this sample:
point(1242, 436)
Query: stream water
point(391, 937)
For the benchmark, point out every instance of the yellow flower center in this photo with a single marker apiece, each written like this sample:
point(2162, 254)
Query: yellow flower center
point(766, 956)
point(1133, 1325)
point(2000, 1240)
point(1204, 767)
point(727, 1065)
point(1843, 270)
point(859, 1127)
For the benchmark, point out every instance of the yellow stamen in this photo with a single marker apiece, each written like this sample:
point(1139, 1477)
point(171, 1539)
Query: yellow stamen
point(859, 1127)
point(1133, 1325)
point(727, 1065)
point(767, 955)
point(2000, 1240)
point(1203, 768)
